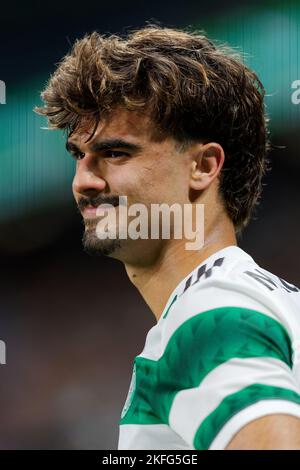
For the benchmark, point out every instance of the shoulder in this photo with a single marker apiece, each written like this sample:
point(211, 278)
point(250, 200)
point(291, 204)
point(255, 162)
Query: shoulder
point(226, 352)
point(231, 294)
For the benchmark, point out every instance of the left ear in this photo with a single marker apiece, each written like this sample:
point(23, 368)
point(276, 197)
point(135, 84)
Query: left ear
point(206, 164)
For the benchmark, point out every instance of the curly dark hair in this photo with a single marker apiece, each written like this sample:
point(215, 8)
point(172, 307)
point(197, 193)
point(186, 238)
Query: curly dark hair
point(192, 89)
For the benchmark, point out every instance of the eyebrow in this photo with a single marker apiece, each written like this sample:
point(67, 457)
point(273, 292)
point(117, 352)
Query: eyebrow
point(106, 145)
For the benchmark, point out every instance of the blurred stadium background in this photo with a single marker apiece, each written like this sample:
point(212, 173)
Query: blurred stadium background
point(73, 324)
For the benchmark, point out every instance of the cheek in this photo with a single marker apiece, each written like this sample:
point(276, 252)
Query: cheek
point(162, 183)
point(124, 181)
point(170, 177)
point(155, 181)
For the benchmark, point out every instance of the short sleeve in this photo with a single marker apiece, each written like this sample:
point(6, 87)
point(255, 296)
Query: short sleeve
point(221, 369)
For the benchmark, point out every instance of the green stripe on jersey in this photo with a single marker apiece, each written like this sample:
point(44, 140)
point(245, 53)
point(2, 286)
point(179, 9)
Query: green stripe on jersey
point(234, 403)
point(198, 346)
point(167, 311)
point(210, 339)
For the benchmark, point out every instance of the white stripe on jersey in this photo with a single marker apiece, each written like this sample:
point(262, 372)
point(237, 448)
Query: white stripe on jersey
point(190, 407)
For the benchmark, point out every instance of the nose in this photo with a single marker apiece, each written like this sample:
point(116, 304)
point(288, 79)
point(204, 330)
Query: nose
point(88, 179)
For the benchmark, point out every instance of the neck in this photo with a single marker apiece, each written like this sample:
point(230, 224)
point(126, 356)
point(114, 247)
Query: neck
point(157, 281)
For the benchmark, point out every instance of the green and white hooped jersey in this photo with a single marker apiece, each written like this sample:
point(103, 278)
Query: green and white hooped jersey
point(225, 351)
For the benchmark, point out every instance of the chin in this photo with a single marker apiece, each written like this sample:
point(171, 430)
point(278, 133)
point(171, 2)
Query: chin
point(93, 246)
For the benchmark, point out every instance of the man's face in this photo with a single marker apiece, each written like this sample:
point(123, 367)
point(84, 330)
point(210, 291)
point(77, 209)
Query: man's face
point(137, 167)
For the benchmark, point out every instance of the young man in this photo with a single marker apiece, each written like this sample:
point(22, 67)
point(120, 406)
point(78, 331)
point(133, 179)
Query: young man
point(165, 116)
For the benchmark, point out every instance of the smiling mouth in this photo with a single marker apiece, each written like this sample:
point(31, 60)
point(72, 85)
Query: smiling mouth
point(102, 209)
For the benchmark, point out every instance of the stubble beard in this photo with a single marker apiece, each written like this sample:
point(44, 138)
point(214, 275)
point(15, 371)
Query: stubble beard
point(94, 246)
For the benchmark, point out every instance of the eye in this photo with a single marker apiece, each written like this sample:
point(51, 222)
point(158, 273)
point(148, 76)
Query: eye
point(115, 154)
point(77, 155)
